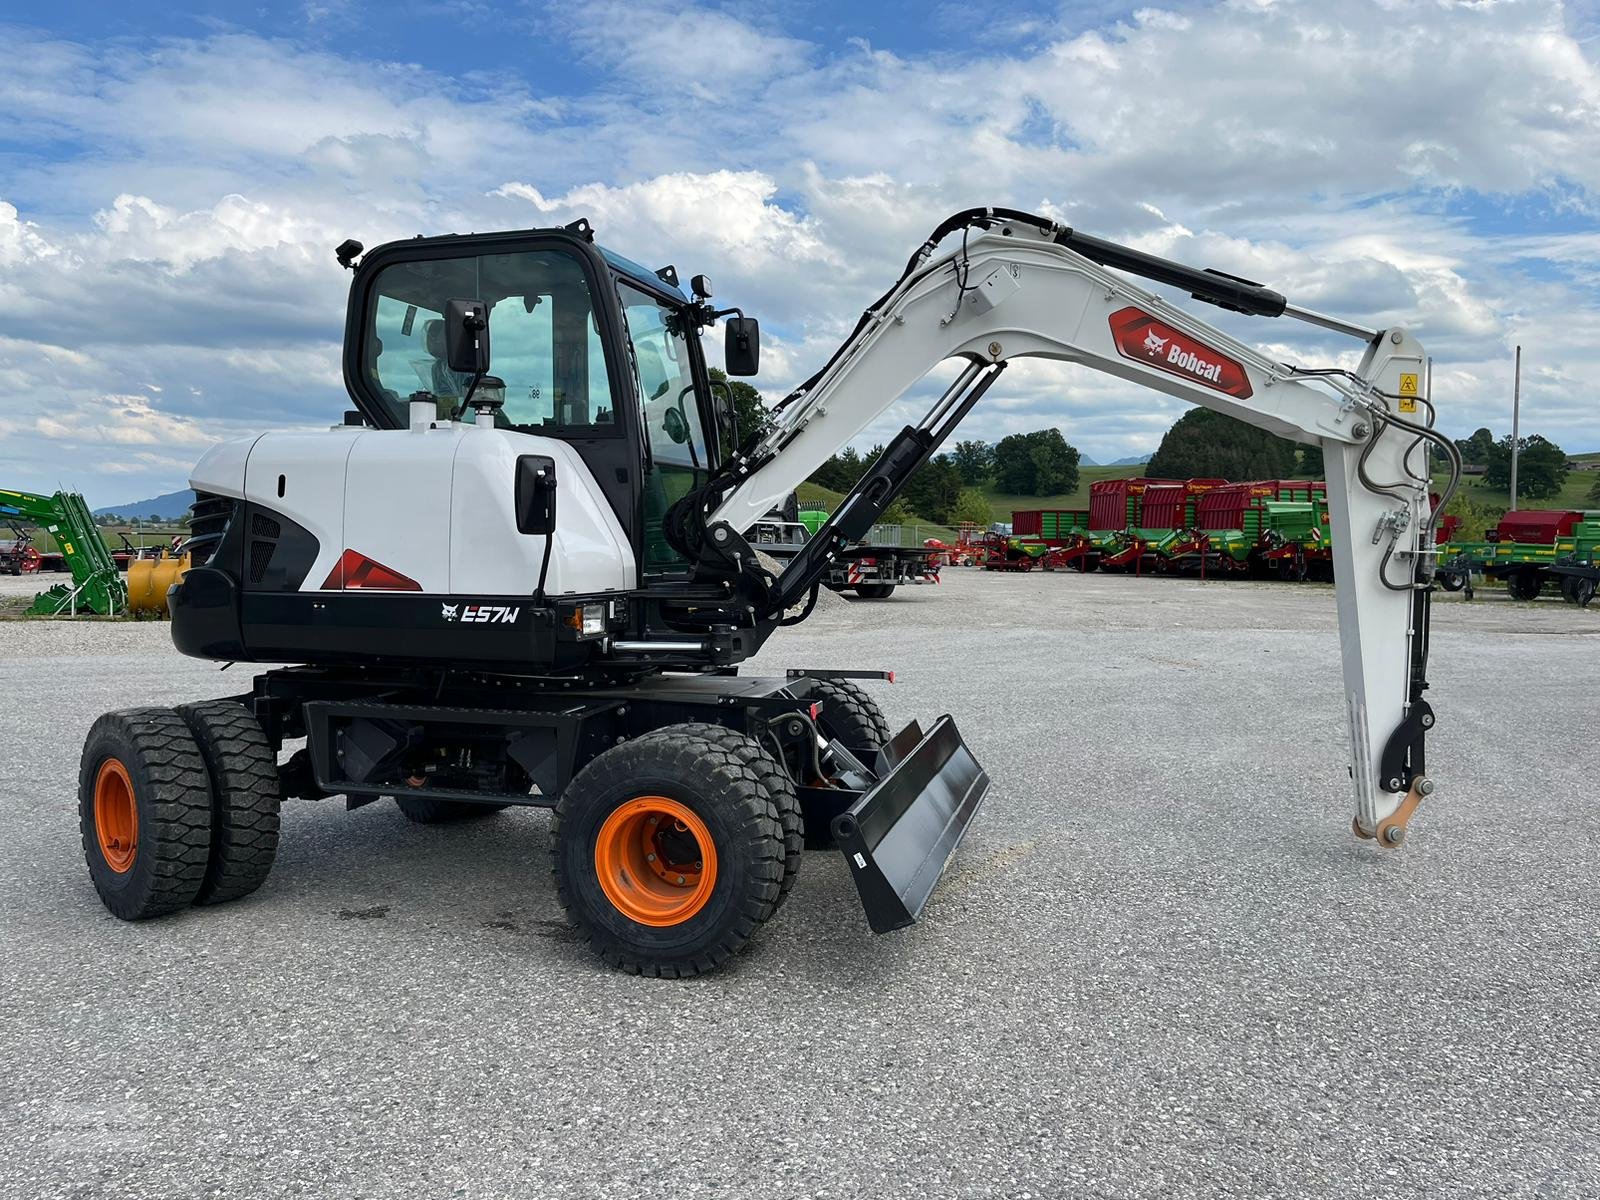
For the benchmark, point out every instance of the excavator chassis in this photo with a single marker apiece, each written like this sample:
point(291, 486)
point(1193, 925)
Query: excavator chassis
point(897, 811)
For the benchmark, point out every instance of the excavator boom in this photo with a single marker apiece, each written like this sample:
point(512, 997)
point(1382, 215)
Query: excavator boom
point(1022, 286)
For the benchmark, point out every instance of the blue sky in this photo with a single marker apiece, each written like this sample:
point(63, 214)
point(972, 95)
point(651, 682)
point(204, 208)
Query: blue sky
point(173, 178)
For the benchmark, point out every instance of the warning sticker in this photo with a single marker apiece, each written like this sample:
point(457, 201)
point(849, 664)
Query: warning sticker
point(1408, 391)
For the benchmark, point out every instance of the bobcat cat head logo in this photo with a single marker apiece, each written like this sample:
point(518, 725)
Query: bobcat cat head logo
point(1153, 343)
point(450, 611)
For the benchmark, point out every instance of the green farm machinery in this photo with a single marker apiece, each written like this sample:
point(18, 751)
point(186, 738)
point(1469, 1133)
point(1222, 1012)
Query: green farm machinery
point(95, 587)
point(1528, 549)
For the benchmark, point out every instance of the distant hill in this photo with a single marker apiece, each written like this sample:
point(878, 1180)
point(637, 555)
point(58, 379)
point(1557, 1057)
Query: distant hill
point(168, 508)
point(1133, 460)
point(1085, 461)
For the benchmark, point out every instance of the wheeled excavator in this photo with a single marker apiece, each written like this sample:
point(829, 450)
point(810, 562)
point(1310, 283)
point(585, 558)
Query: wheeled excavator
point(515, 575)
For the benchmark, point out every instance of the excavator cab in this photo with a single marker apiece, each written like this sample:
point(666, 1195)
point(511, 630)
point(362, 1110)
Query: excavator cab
point(592, 349)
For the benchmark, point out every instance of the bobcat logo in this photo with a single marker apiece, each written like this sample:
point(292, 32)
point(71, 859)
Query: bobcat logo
point(450, 611)
point(1153, 343)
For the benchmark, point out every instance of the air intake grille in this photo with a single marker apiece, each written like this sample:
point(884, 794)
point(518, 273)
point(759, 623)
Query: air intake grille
point(263, 526)
point(260, 558)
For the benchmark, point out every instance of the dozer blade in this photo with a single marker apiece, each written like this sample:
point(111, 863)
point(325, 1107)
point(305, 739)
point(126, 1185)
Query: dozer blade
point(898, 836)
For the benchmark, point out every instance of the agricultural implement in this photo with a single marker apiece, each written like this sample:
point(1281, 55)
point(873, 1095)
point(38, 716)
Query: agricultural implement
point(531, 588)
point(1528, 549)
point(20, 556)
point(150, 578)
point(95, 587)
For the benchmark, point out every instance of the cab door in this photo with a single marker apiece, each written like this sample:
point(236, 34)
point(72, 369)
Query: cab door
point(670, 417)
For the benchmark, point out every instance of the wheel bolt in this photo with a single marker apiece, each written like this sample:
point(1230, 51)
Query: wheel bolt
point(655, 820)
point(649, 858)
point(699, 866)
point(681, 879)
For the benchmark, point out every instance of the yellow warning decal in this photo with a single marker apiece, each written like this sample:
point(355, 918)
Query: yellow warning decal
point(1408, 392)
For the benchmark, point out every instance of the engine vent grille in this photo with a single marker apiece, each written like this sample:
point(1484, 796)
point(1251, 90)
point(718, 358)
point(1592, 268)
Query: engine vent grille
point(263, 526)
point(208, 522)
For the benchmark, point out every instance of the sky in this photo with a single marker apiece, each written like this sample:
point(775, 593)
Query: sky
point(174, 178)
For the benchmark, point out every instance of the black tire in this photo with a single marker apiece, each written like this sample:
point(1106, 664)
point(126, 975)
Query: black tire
point(1452, 581)
point(1524, 585)
point(716, 787)
point(1568, 592)
point(1583, 591)
point(777, 784)
point(851, 715)
point(425, 810)
point(165, 789)
point(874, 591)
point(245, 798)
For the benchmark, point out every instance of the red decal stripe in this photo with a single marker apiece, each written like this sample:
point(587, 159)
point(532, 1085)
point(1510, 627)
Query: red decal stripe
point(355, 570)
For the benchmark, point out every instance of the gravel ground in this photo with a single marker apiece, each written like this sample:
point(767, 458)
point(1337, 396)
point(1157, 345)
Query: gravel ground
point(1159, 965)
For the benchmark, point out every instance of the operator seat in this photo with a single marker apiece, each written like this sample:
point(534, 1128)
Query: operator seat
point(447, 386)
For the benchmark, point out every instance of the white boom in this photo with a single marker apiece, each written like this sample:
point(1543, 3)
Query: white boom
point(1018, 290)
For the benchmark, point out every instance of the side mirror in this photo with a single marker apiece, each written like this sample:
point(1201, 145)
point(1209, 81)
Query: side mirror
point(536, 494)
point(466, 336)
point(742, 347)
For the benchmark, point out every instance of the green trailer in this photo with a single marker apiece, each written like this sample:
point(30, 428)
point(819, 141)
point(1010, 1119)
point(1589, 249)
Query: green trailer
point(1527, 550)
point(96, 586)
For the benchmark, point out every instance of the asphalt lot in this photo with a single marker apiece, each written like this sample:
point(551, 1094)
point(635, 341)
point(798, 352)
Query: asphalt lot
point(1159, 966)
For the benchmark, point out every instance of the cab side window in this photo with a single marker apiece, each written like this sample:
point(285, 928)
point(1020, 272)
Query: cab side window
point(669, 405)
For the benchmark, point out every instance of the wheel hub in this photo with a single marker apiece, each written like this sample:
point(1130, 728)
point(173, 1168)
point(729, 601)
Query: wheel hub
point(656, 861)
point(116, 817)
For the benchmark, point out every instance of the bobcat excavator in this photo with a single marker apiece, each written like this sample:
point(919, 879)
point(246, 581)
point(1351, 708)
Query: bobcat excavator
point(518, 579)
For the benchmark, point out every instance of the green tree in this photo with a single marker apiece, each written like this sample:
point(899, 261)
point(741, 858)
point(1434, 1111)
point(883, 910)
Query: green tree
point(934, 489)
point(1204, 443)
point(974, 460)
point(972, 505)
point(1479, 448)
point(750, 411)
point(1594, 491)
point(1311, 463)
point(1041, 463)
point(841, 472)
point(898, 513)
point(1541, 467)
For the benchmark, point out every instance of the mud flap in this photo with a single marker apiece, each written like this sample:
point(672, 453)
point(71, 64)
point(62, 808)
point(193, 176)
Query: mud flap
point(898, 836)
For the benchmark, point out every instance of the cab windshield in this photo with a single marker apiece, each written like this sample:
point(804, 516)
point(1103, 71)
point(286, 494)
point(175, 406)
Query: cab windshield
point(544, 341)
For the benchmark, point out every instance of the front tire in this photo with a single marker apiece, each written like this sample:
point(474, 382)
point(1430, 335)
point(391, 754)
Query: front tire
point(775, 782)
point(245, 798)
point(668, 855)
point(144, 812)
point(852, 716)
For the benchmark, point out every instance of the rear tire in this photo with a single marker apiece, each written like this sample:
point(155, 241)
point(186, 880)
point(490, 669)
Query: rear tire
point(1524, 585)
point(696, 903)
point(874, 591)
point(144, 812)
point(245, 798)
point(1452, 581)
point(425, 810)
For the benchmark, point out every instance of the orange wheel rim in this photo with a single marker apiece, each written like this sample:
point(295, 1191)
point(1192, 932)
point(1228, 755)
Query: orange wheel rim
point(116, 816)
point(656, 861)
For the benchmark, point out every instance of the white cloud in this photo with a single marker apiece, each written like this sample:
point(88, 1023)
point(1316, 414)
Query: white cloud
point(1370, 160)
